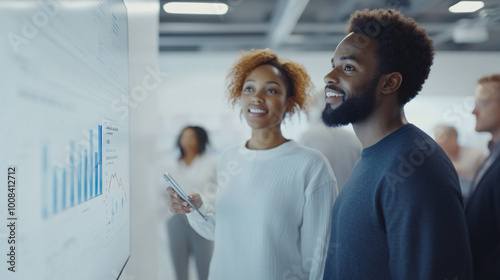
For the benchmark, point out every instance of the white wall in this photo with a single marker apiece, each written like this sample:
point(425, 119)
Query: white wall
point(195, 87)
point(144, 82)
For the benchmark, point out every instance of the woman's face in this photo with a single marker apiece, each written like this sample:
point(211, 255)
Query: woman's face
point(264, 98)
point(189, 141)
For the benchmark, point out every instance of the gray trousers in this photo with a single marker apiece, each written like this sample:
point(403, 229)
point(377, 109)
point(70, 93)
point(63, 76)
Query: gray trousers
point(184, 241)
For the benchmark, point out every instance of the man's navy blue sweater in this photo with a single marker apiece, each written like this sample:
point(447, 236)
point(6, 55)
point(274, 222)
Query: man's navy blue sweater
point(400, 214)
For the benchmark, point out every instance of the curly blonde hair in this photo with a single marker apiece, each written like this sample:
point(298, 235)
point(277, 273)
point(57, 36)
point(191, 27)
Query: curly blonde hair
point(299, 87)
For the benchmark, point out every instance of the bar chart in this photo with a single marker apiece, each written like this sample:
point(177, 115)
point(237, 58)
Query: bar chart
point(66, 183)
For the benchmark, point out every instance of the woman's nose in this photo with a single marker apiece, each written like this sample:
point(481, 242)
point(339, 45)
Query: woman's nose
point(258, 97)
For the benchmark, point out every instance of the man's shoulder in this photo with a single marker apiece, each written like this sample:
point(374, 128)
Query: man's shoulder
point(417, 146)
point(416, 164)
point(411, 145)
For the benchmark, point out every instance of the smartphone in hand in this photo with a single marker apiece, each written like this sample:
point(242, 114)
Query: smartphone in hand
point(177, 188)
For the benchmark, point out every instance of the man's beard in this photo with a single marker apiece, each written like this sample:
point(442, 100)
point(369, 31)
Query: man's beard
point(352, 110)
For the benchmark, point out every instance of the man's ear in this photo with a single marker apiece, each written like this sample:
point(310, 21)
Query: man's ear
point(391, 82)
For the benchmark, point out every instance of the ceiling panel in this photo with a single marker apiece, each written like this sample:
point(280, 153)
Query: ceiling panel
point(320, 24)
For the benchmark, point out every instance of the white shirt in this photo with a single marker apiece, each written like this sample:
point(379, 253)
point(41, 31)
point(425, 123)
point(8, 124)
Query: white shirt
point(272, 214)
point(341, 147)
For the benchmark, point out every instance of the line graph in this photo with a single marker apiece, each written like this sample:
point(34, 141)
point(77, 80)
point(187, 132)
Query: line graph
point(119, 185)
point(116, 200)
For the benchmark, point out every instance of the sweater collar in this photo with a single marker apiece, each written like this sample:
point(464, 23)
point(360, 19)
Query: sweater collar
point(269, 153)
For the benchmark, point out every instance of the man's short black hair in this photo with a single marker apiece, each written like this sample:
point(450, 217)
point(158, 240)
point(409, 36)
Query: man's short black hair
point(404, 47)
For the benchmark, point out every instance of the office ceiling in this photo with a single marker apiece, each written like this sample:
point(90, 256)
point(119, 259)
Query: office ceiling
point(319, 25)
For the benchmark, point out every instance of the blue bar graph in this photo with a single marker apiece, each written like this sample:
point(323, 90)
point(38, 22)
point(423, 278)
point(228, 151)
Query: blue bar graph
point(80, 174)
point(99, 138)
point(54, 198)
point(63, 198)
point(86, 177)
point(45, 177)
point(96, 185)
point(91, 165)
point(76, 182)
point(72, 178)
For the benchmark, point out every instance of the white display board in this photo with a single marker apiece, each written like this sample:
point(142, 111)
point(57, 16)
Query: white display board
point(64, 160)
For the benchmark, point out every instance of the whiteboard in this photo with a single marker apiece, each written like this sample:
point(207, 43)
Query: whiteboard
point(65, 188)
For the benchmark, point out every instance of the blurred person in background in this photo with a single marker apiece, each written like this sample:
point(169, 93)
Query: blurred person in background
point(483, 206)
point(466, 160)
point(340, 146)
point(195, 171)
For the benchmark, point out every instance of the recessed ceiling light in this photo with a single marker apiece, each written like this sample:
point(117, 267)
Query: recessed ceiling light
point(195, 8)
point(466, 6)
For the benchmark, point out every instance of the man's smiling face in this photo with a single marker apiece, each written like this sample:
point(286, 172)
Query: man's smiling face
point(352, 83)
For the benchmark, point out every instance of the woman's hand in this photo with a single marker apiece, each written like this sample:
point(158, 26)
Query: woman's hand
point(178, 206)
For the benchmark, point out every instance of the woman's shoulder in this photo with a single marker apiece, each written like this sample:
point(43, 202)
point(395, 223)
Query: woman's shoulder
point(311, 159)
point(303, 151)
point(231, 149)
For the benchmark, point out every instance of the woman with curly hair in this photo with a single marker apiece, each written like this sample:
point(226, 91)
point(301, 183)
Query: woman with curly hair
point(271, 219)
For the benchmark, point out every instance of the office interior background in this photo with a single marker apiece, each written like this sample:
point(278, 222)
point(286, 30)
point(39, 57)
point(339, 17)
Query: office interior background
point(196, 51)
point(188, 57)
